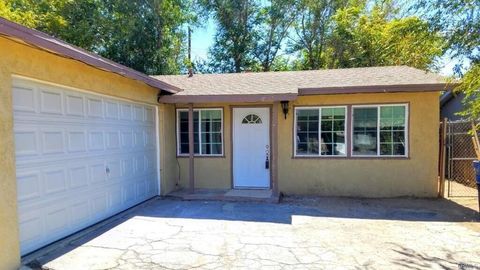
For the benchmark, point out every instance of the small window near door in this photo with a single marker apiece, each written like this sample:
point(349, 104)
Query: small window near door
point(252, 119)
point(207, 132)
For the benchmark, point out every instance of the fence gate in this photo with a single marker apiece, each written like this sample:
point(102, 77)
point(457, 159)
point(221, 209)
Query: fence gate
point(459, 154)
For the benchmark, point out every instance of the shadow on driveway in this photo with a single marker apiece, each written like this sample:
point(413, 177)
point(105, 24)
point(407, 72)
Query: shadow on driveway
point(406, 209)
point(400, 209)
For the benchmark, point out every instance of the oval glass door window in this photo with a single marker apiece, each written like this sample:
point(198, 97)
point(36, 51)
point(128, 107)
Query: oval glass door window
point(252, 119)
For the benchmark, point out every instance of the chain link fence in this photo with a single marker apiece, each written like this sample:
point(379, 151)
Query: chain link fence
point(460, 153)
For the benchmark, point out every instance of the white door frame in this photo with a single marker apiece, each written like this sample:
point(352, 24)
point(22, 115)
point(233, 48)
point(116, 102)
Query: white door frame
point(232, 128)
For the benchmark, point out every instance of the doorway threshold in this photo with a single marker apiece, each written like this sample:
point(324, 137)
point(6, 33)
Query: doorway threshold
point(233, 195)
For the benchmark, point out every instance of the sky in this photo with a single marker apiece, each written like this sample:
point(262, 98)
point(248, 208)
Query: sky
point(202, 39)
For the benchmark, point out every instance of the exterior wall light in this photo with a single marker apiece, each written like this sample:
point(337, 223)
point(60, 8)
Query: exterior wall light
point(284, 104)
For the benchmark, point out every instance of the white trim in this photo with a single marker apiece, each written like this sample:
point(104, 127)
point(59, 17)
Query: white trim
point(378, 106)
point(177, 120)
point(319, 108)
point(157, 133)
point(269, 117)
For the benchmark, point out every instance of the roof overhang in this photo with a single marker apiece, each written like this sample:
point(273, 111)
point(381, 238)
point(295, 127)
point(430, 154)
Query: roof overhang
point(377, 89)
point(50, 44)
point(227, 98)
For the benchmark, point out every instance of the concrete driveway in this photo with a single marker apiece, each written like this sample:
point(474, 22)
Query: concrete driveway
point(300, 233)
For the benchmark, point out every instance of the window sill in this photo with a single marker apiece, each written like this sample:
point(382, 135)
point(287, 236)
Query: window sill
point(353, 157)
point(201, 156)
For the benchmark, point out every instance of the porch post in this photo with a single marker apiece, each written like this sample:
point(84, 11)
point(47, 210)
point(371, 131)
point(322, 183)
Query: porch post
point(274, 147)
point(191, 168)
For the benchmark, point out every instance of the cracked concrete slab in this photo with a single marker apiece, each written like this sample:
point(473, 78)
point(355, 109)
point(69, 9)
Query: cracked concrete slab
point(300, 233)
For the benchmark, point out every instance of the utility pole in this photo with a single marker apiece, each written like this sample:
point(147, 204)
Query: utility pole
point(189, 45)
point(190, 65)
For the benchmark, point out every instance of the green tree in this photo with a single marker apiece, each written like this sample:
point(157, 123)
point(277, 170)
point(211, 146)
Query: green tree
point(275, 21)
point(146, 35)
point(364, 36)
point(459, 21)
point(40, 14)
point(313, 30)
point(236, 34)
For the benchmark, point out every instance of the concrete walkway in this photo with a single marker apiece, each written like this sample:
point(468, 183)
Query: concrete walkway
point(299, 233)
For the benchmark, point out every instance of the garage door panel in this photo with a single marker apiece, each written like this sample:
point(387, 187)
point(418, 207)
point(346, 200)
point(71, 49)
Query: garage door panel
point(54, 181)
point(95, 107)
point(75, 105)
point(126, 111)
point(111, 109)
point(78, 177)
point(80, 158)
point(51, 102)
point(32, 226)
point(56, 220)
point(26, 142)
point(114, 170)
point(29, 186)
point(113, 139)
point(77, 140)
point(24, 99)
point(138, 113)
point(96, 140)
point(52, 141)
point(80, 213)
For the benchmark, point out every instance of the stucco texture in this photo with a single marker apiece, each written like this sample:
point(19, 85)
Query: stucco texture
point(17, 58)
point(415, 175)
point(367, 177)
point(210, 172)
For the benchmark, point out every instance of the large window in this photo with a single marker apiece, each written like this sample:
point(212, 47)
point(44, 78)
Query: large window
point(320, 131)
point(379, 130)
point(207, 135)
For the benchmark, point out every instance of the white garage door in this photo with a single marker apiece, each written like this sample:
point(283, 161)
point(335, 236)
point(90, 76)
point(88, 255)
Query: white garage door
point(80, 158)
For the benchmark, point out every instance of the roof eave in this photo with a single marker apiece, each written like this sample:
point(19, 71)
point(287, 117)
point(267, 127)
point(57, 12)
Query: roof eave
point(227, 98)
point(376, 89)
point(50, 44)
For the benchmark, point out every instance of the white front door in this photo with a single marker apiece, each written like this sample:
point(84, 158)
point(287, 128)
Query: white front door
point(251, 147)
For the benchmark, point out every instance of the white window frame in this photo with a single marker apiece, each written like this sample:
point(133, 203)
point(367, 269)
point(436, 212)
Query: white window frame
point(319, 108)
point(199, 110)
point(378, 106)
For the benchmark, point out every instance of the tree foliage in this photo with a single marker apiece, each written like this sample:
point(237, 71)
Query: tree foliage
point(275, 21)
point(459, 22)
point(41, 14)
point(236, 33)
point(147, 35)
point(363, 36)
point(316, 34)
point(313, 29)
point(258, 35)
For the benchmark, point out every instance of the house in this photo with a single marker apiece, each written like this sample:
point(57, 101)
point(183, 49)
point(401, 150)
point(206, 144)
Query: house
point(451, 103)
point(84, 138)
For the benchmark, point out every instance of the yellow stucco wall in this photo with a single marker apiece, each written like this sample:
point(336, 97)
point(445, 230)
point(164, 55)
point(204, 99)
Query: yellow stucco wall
point(367, 177)
point(19, 59)
point(210, 172)
point(169, 166)
point(362, 177)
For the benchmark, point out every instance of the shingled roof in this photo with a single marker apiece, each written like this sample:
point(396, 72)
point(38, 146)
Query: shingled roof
point(287, 85)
